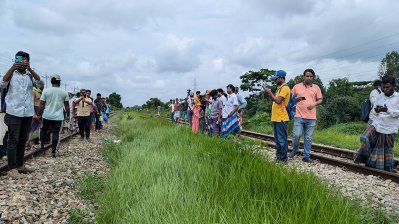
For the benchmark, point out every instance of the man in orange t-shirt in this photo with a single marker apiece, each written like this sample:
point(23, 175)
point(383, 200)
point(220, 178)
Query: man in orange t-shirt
point(308, 95)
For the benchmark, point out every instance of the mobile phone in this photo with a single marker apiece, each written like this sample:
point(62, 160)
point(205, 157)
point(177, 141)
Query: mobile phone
point(18, 59)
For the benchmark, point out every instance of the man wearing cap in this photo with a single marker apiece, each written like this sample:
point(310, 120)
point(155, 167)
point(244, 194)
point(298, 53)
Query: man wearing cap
point(52, 104)
point(279, 114)
point(83, 114)
point(19, 109)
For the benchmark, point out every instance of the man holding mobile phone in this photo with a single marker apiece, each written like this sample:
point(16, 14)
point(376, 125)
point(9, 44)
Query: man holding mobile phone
point(308, 95)
point(18, 104)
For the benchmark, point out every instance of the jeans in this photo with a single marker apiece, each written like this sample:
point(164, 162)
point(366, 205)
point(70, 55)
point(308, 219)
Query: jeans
point(84, 126)
point(3, 148)
point(99, 125)
point(185, 115)
point(18, 131)
point(281, 139)
point(305, 126)
point(190, 117)
point(172, 116)
point(55, 128)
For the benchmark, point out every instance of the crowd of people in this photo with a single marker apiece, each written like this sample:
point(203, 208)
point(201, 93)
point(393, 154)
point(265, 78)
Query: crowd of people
point(219, 113)
point(32, 115)
point(216, 112)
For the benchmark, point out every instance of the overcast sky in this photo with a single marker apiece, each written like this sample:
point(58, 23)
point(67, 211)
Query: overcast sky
point(156, 48)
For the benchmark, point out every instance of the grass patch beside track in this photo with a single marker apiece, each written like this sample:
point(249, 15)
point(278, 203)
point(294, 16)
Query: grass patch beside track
point(166, 174)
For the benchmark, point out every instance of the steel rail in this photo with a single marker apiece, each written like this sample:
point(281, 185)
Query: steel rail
point(32, 153)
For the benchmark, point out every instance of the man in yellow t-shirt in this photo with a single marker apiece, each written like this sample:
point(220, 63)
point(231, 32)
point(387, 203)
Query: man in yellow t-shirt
point(279, 114)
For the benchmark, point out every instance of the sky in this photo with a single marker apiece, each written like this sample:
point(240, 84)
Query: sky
point(157, 48)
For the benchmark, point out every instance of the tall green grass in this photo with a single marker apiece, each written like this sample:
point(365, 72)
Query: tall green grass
point(166, 174)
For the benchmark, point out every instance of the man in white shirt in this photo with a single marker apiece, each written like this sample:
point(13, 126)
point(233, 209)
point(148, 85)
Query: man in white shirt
point(230, 123)
point(19, 109)
point(375, 92)
point(378, 140)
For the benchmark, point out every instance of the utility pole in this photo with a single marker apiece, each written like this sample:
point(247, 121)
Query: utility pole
point(65, 86)
point(195, 85)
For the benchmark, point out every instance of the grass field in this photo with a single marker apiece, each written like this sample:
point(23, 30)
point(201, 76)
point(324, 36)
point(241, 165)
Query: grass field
point(166, 174)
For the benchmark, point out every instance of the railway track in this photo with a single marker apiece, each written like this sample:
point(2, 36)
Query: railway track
point(329, 155)
point(32, 153)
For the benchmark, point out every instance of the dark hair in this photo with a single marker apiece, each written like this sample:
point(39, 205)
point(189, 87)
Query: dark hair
point(98, 94)
point(377, 83)
point(82, 90)
point(388, 79)
point(55, 82)
point(237, 89)
point(88, 90)
point(231, 87)
point(213, 93)
point(23, 54)
point(309, 70)
point(198, 92)
point(220, 90)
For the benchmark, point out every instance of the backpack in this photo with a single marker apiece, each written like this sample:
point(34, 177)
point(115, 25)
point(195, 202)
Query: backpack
point(291, 106)
point(4, 92)
point(365, 109)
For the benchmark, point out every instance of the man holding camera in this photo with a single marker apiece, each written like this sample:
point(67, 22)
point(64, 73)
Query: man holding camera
point(83, 114)
point(308, 95)
point(279, 116)
point(18, 105)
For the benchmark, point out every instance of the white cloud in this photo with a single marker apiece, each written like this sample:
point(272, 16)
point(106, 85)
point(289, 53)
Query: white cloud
point(154, 48)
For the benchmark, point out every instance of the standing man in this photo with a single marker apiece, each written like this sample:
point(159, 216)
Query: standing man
point(190, 109)
point(184, 106)
point(36, 122)
point(83, 114)
point(92, 111)
point(97, 110)
point(215, 120)
point(279, 114)
point(378, 140)
point(242, 104)
point(373, 98)
point(19, 109)
point(52, 104)
point(230, 123)
point(308, 96)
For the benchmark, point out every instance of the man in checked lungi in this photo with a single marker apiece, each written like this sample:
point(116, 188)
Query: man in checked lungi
point(230, 124)
point(377, 141)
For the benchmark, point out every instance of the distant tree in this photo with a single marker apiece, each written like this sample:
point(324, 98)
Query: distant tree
point(115, 100)
point(152, 103)
point(252, 81)
point(389, 65)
